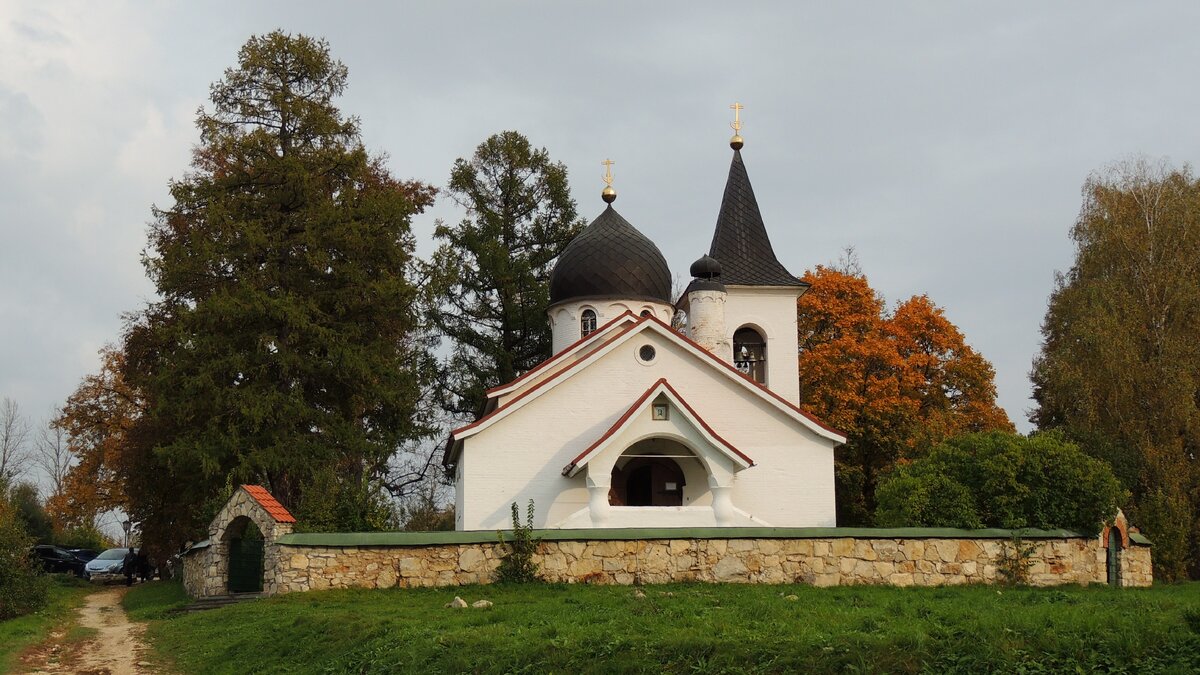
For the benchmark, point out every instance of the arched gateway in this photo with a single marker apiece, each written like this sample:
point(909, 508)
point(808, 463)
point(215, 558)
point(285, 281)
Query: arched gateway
point(240, 546)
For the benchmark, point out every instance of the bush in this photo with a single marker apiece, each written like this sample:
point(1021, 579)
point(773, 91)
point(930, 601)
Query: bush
point(23, 588)
point(517, 566)
point(1002, 480)
point(83, 536)
point(334, 503)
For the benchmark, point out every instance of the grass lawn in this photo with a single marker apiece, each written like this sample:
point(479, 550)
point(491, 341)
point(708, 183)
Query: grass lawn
point(685, 628)
point(66, 594)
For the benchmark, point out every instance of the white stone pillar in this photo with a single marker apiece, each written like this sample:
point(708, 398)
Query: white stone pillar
point(598, 488)
point(706, 321)
point(722, 503)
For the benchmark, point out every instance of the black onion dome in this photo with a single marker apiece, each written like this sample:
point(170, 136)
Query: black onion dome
point(705, 268)
point(611, 259)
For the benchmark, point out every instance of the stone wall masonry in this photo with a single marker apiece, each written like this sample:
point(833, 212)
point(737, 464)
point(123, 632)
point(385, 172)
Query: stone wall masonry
point(816, 561)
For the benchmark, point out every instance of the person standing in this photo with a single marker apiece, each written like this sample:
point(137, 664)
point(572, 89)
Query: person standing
point(129, 566)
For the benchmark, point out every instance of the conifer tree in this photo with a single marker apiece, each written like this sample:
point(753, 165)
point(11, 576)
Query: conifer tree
point(489, 280)
point(284, 341)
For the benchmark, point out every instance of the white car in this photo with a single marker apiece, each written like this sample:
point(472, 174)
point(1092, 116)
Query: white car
point(107, 566)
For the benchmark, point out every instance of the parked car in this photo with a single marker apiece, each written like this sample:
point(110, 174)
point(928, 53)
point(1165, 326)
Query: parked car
point(107, 565)
point(84, 554)
point(57, 560)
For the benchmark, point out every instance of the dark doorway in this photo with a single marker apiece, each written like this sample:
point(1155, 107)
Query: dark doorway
point(647, 481)
point(245, 557)
point(1114, 557)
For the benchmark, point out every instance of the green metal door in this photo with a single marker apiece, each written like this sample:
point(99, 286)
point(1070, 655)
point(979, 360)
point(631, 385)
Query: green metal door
point(245, 565)
point(1114, 557)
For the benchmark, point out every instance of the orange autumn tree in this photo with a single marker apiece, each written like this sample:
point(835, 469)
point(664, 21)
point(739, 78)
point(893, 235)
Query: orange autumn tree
point(896, 383)
point(97, 419)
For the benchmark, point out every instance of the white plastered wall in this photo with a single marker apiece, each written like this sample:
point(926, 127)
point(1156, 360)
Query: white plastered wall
point(771, 310)
point(521, 456)
point(565, 316)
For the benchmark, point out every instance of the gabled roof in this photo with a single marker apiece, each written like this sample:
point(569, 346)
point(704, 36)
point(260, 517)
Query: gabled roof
point(563, 354)
point(659, 388)
point(740, 242)
point(269, 503)
point(648, 322)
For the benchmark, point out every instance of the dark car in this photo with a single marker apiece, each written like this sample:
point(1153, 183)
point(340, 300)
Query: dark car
point(58, 560)
point(84, 554)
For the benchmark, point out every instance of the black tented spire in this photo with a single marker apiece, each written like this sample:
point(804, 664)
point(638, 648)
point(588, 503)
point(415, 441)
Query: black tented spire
point(740, 242)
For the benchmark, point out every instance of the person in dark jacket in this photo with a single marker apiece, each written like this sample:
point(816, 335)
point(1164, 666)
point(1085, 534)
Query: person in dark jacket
point(129, 566)
point(143, 566)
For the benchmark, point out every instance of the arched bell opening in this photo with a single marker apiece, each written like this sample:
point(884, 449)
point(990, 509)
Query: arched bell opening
point(244, 542)
point(750, 353)
point(651, 473)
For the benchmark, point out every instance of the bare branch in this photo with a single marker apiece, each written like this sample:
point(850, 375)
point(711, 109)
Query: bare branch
point(14, 435)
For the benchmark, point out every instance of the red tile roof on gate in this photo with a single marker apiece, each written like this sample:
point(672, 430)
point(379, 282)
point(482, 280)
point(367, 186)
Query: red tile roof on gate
point(269, 504)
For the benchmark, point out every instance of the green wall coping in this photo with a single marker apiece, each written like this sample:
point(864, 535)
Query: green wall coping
point(350, 539)
point(1140, 539)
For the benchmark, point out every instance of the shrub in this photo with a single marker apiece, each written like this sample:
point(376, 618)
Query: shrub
point(83, 536)
point(23, 588)
point(1002, 480)
point(517, 566)
point(1015, 560)
point(334, 503)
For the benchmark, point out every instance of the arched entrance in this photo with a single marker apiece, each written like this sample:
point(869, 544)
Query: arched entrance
point(649, 474)
point(245, 542)
point(1113, 557)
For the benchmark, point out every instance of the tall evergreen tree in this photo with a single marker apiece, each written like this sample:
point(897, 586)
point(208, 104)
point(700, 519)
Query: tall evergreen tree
point(1119, 369)
point(283, 341)
point(489, 279)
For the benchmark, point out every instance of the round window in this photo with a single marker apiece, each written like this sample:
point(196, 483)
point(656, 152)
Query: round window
point(646, 353)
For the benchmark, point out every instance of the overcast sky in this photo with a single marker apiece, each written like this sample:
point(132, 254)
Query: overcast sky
point(945, 142)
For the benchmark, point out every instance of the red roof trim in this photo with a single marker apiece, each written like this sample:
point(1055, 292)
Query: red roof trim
point(643, 319)
point(728, 366)
point(271, 505)
point(661, 383)
point(613, 429)
point(683, 402)
point(539, 385)
point(562, 352)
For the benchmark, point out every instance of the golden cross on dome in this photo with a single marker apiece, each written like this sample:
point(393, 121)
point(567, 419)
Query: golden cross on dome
point(737, 120)
point(608, 194)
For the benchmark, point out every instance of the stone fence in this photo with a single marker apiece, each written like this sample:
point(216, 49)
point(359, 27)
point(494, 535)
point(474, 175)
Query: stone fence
point(817, 556)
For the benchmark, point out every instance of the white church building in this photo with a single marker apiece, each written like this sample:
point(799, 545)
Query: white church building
point(632, 423)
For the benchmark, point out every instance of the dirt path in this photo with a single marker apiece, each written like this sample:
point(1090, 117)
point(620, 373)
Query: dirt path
point(115, 648)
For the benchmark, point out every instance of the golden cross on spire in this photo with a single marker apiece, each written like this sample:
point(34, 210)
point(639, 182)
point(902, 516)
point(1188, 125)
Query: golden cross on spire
point(608, 194)
point(737, 120)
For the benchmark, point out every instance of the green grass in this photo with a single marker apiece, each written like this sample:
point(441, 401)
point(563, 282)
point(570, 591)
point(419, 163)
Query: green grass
point(154, 600)
point(687, 628)
point(66, 594)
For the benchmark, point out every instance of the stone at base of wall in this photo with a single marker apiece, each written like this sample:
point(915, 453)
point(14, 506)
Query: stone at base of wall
point(816, 561)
